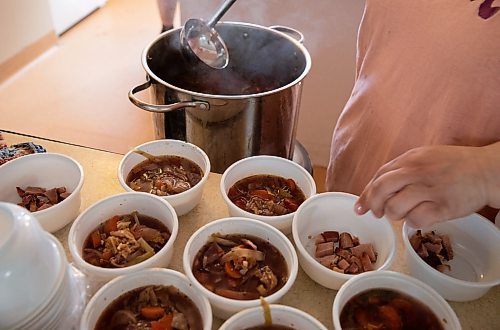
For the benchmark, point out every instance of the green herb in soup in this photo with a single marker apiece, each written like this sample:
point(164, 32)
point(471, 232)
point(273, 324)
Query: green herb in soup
point(268, 195)
point(164, 175)
point(387, 310)
point(154, 307)
point(125, 240)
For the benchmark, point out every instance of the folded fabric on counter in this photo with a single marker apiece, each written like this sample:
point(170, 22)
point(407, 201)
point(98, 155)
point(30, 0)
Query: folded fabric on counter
point(17, 150)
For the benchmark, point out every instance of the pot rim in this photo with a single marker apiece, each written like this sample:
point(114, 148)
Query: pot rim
point(223, 96)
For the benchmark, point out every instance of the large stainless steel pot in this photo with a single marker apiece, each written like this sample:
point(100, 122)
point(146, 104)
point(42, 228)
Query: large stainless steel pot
point(249, 108)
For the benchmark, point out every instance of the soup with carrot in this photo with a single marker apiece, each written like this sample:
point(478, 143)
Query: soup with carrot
point(151, 307)
point(268, 195)
point(241, 267)
point(125, 240)
point(387, 309)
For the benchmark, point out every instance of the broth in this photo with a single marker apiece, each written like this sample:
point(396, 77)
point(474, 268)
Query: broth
point(169, 175)
point(268, 195)
point(151, 307)
point(125, 240)
point(387, 309)
point(241, 267)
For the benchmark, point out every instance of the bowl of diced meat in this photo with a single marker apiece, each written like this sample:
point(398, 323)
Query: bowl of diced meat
point(458, 258)
point(171, 169)
point(123, 233)
point(235, 261)
point(266, 188)
point(46, 184)
point(334, 243)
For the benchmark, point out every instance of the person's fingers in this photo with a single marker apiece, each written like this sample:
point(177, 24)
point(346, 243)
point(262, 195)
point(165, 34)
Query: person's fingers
point(384, 187)
point(402, 202)
point(359, 208)
point(425, 215)
point(401, 161)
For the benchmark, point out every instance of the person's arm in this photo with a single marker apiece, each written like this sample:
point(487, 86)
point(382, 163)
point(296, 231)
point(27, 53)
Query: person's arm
point(434, 183)
point(167, 12)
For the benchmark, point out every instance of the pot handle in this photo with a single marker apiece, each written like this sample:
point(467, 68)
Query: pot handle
point(164, 107)
point(296, 34)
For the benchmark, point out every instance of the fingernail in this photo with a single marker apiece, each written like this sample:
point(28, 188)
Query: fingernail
point(358, 208)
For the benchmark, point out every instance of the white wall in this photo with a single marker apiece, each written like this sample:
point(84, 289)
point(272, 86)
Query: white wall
point(22, 22)
point(66, 13)
point(330, 30)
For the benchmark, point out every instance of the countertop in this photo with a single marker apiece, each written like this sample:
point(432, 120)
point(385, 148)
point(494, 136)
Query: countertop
point(100, 168)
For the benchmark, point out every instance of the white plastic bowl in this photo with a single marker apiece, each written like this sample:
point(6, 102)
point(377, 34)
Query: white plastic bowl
point(281, 315)
point(32, 266)
point(120, 285)
point(266, 165)
point(185, 201)
point(475, 267)
point(124, 203)
point(46, 170)
point(224, 307)
point(398, 282)
point(335, 211)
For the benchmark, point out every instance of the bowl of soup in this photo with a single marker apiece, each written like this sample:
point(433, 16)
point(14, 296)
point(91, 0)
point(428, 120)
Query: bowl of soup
point(47, 184)
point(266, 188)
point(458, 258)
point(148, 299)
point(389, 300)
point(235, 261)
point(335, 244)
point(122, 234)
point(171, 169)
point(272, 317)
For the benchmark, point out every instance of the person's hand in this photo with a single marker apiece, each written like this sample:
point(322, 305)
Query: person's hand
point(433, 184)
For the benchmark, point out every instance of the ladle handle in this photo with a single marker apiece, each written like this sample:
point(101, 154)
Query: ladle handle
point(220, 12)
point(163, 107)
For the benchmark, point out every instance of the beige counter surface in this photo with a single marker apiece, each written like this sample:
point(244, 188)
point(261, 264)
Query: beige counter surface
point(101, 180)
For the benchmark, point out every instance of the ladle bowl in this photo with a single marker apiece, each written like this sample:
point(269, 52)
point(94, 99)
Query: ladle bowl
point(200, 39)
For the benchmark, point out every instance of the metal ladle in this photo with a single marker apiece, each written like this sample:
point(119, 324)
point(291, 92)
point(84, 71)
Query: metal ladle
point(200, 38)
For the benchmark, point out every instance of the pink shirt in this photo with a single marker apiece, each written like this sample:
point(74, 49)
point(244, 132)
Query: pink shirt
point(428, 72)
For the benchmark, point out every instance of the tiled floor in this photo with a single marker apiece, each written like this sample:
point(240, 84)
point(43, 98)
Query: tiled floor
point(77, 91)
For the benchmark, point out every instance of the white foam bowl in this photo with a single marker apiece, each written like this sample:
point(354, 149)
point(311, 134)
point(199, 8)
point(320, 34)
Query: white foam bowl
point(185, 201)
point(224, 307)
point(120, 285)
point(46, 170)
point(475, 267)
point(398, 282)
point(335, 211)
point(124, 203)
point(266, 165)
point(32, 266)
point(281, 315)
